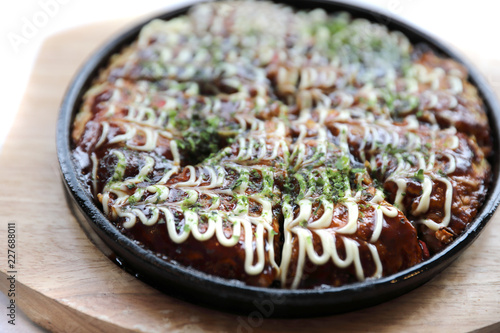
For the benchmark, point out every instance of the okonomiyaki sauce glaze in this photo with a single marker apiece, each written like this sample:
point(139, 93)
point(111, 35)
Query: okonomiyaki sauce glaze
point(283, 148)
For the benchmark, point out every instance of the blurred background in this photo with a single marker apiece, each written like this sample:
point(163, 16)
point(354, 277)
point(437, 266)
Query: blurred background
point(469, 26)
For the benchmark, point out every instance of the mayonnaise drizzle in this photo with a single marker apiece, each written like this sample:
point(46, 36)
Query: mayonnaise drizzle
point(143, 126)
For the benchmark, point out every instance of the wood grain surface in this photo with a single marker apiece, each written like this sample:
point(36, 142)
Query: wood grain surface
point(66, 284)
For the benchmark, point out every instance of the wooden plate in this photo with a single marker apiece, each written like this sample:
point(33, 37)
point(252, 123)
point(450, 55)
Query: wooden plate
point(65, 283)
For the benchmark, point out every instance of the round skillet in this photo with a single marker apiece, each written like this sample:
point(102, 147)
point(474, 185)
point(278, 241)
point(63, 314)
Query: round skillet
point(234, 296)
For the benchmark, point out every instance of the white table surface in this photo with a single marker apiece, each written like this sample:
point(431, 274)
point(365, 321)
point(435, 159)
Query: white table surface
point(468, 25)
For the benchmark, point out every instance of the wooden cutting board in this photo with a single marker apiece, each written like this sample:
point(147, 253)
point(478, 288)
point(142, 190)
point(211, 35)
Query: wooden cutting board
point(65, 284)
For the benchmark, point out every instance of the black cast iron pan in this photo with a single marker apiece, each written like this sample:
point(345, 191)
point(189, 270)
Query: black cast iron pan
point(234, 296)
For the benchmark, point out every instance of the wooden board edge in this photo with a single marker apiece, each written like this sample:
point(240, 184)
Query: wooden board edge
point(40, 309)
